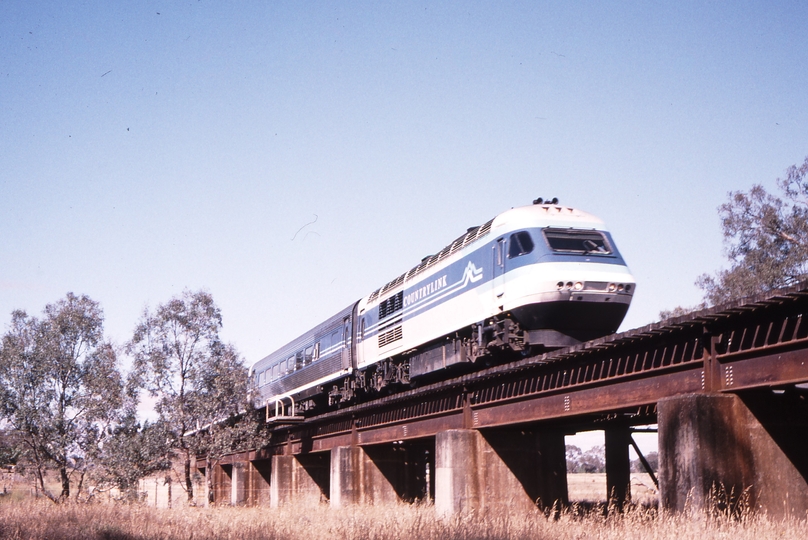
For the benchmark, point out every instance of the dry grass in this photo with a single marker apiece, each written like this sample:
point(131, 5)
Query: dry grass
point(44, 520)
point(591, 487)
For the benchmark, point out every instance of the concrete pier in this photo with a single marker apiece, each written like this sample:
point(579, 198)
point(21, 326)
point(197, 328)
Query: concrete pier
point(300, 479)
point(498, 470)
point(618, 464)
point(365, 475)
point(223, 484)
point(238, 483)
point(259, 476)
point(345, 476)
point(728, 452)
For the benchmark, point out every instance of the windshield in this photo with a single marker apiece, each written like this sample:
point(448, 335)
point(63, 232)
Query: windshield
point(577, 241)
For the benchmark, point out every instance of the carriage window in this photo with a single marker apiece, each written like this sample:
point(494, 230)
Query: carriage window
point(308, 355)
point(290, 364)
point(316, 351)
point(335, 340)
point(577, 241)
point(325, 343)
point(520, 244)
point(262, 379)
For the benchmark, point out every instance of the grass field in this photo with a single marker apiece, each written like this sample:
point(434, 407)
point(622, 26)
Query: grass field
point(591, 487)
point(44, 520)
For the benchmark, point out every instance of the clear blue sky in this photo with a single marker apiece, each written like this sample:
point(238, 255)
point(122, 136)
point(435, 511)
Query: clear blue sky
point(148, 147)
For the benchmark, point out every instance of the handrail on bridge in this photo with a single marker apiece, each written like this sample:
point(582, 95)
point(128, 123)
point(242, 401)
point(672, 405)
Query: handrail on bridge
point(280, 415)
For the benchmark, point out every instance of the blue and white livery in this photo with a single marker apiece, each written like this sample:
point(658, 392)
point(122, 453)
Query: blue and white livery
point(533, 278)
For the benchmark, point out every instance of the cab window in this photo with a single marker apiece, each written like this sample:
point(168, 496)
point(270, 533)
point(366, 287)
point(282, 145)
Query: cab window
point(519, 244)
point(577, 241)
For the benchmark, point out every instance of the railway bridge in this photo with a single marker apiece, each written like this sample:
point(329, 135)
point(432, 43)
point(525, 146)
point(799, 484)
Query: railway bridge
point(726, 387)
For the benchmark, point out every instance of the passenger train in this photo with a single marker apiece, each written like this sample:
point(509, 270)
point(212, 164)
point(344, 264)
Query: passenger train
point(532, 279)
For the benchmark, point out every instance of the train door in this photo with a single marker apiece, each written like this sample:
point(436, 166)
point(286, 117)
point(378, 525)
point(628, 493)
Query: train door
point(361, 351)
point(499, 270)
point(347, 342)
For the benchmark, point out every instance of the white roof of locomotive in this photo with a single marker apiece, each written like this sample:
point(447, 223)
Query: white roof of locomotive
point(522, 217)
point(544, 215)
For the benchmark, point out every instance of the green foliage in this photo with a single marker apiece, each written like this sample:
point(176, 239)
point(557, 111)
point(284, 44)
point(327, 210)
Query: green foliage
point(679, 311)
point(59, 387)
point(9, 448)
point(591, 461)
point(133, 451)
point(766, 239)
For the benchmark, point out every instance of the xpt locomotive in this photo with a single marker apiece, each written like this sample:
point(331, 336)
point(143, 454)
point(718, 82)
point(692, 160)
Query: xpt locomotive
point(533, 278)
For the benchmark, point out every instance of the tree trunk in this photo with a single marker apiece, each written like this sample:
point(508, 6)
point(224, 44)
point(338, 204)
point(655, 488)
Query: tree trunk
point(189, 484)
point(40, 474)
point(81, 485)
point(65, 483)
point(40, 484)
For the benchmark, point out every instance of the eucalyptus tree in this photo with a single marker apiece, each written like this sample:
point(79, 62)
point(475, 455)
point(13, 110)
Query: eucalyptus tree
point(200, 383)
point(60, 387)
point(766, 239)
